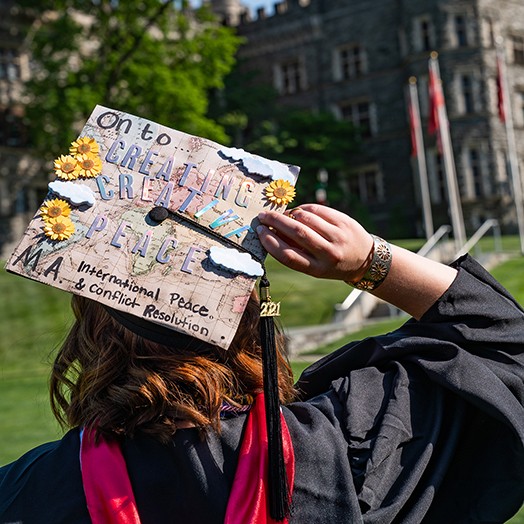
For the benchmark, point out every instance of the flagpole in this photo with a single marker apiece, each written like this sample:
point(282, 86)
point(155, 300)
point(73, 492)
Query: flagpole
point(457, 219)
point(507, 116)
point(416, 129)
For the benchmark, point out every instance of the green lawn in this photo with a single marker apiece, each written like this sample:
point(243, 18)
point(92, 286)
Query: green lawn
point(34, 319)
point(305, 300)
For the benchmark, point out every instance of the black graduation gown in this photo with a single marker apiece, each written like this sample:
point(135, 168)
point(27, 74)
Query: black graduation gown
point(425, 424)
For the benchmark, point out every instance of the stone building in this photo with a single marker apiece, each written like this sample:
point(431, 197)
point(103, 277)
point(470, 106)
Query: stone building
point(351, 57)
point(22, 185)
point(354, 58)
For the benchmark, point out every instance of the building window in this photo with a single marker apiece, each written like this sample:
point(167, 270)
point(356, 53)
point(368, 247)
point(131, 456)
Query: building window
point(475, 168)
point(437, 177)
point(466, 87)
point(290, 77)
point(518, 49)
point(488, 32)
point(461, 33)
point(13, 132)
point(475, 179)
point(359, 113)
point(423, 37)
point(9, 64)
point(519, 116)
point(425, 29)
point(467, 93)
point(371, 185)
point(367, 186)
point(502, 185)
point(402, 42)
point(349, 62)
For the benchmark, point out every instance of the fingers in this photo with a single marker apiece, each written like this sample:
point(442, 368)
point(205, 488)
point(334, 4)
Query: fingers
point(332, 216)
point(323, 221)
point(295, 242)
point(283, 251)
point(302, 229)
point(316, 240)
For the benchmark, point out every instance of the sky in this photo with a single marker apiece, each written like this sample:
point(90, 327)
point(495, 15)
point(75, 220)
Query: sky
point(253, 4)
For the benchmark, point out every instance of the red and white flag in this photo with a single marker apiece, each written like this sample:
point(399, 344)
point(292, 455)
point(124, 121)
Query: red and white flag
point(414, 124)
point(436, 97)
point(418, 151)
point(501, 102)
point(439, 124)
point(437, 105)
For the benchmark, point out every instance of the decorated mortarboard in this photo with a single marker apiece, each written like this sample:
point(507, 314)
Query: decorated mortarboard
point(155, 223)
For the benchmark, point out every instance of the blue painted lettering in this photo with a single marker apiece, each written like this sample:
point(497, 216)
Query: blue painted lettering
point(167, 169)
point(224, 187)
point(120, 232)
point(238, 232)
point(99, 223)
point(147, 163)
point(126, 186)
point(207, 207)
point(224, 218)
point(187, 201)
point(183, 179)
point(146, 188)
point(161, 256)
point(207, 180)
point(106, 195)
point(131, 157)
point(242, 199)
point(112, 156)
point(186, 266)
point(165, 195)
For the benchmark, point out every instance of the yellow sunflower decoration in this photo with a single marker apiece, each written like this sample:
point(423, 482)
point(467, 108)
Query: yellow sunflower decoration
point(55, 208)
point(89, 166)
point(59, 228)
point(85, 145)
point(280, 192)
point(66, 167)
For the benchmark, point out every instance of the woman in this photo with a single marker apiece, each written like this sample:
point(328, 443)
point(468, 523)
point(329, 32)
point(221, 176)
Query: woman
point(425, 424)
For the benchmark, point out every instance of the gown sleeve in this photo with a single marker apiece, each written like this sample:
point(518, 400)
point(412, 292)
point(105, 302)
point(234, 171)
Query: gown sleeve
point(433, 413)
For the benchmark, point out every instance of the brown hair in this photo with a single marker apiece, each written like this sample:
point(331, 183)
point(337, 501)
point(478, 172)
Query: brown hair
point(108, 378)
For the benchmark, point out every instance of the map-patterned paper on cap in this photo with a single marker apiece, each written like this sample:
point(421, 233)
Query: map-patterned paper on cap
point(97, 235)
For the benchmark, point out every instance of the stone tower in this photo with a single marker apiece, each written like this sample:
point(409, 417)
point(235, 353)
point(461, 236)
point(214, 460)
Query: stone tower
point(229, 11)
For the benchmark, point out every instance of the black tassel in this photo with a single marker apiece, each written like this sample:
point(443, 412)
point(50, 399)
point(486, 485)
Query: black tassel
point(279, 500)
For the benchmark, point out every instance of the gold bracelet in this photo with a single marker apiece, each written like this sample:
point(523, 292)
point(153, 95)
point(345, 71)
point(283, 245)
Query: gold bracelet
point(379, 267)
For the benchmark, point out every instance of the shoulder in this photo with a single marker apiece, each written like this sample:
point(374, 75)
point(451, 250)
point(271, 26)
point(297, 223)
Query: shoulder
point(26, 463)
point(47, 476)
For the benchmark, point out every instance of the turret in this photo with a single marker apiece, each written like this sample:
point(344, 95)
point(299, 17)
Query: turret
point(229, 11)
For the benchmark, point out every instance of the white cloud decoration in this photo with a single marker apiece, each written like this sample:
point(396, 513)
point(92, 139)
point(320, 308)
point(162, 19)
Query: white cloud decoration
point(235, 261)
point(77, 194)
point(259, 165)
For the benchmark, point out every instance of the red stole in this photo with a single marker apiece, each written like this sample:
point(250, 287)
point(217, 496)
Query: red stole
point(110, 498)
point(107, 487)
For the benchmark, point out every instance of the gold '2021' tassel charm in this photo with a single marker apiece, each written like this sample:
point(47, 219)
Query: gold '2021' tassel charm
point(278, 492)
point(268, 308)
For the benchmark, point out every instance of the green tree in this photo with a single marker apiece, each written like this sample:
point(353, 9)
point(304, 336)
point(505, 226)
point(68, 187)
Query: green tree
point(313, 141)
point(249, 110)
point(154, 58)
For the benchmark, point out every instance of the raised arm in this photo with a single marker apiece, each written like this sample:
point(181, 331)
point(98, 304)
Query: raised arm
point(325, 243)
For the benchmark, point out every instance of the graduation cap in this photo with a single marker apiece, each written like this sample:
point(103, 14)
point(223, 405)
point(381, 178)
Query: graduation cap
point(160, 227)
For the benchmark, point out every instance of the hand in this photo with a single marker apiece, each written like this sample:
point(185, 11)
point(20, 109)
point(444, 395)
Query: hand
point(318, 241)
point(325, 243)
